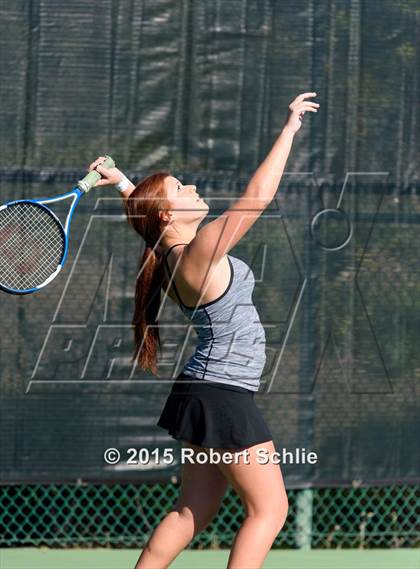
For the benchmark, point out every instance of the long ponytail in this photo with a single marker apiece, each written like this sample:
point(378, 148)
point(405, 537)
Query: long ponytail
point(146, 305)
point(142, 209)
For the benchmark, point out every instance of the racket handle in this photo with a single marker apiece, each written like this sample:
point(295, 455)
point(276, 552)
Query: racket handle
point(90, 179)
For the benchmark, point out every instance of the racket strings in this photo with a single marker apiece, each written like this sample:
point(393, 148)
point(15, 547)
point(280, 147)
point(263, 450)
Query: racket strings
point(31, 246)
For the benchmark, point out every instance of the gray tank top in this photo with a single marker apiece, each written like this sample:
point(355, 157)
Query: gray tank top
point(231, 347)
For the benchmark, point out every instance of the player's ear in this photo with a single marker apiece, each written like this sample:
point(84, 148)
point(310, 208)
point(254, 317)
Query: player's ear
point(165, 216)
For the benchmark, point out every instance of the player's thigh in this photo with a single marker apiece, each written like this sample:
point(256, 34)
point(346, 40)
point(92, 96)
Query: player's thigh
point(258, 481)
point(202, 486)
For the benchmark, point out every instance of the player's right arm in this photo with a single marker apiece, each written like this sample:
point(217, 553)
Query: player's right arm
point(111, 176)
point(218, 237)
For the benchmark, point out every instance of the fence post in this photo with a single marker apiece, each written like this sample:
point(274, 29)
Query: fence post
point(304, 507)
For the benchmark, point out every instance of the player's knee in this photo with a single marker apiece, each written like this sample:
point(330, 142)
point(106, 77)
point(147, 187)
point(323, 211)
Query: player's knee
point(184, 512)
point(273, 522)
point(272, 515)
point(282, 516)
point(282, 510)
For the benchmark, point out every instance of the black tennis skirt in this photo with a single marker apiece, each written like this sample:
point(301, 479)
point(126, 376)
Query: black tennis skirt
point(214, 415)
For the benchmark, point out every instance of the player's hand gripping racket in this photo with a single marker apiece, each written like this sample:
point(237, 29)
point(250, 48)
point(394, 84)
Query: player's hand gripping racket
point(33, 241)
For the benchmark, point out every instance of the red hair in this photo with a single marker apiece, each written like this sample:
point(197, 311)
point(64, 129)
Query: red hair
point(142, 210)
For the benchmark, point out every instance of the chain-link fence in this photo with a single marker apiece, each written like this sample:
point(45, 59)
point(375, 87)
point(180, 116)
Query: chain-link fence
point(125, 515)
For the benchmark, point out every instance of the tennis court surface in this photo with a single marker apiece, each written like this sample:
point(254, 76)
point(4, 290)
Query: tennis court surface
point(43, 558)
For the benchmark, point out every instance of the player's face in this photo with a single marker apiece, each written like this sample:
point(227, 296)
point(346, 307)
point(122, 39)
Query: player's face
point(184, 199)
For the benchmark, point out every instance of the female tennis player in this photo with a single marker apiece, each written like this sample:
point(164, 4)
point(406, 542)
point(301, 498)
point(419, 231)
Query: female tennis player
point(211, 406)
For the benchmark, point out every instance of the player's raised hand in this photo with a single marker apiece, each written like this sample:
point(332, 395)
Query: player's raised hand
point(297, 109)
point(110, 176)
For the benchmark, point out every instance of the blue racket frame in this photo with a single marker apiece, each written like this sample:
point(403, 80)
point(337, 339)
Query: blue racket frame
point(83, 187)
point(76, 193)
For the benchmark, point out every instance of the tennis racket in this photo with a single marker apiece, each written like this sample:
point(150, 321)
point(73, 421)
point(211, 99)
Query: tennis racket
point(33, 241)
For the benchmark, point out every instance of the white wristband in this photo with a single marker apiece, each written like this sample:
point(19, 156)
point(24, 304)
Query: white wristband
point(123, 184)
